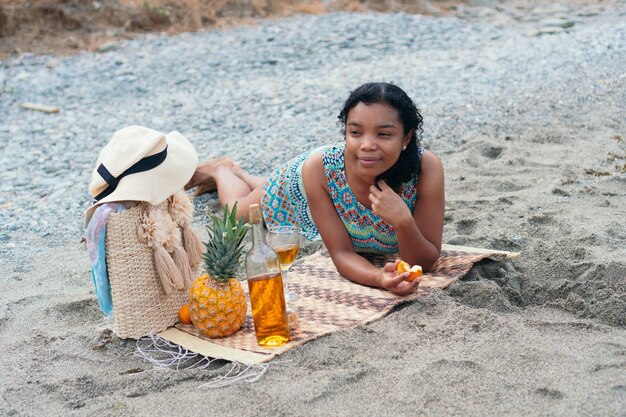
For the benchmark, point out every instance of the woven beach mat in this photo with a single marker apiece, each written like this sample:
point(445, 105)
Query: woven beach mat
point(329, 302)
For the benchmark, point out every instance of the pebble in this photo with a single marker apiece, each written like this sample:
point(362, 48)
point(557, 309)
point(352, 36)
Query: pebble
point(109, 47)
point(555, 22)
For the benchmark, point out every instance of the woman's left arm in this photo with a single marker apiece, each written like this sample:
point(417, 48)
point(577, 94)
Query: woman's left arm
point(419, 233)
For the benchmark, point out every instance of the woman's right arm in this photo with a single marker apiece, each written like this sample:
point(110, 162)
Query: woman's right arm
point(349, 264)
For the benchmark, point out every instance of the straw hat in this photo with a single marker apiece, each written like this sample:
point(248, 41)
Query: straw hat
point(141, 164)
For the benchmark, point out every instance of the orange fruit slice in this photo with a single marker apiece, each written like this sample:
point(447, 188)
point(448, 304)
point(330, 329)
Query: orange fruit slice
point(184, 315)
point(415, 270)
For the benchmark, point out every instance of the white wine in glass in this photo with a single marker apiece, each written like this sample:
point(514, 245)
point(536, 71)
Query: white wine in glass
point(285, 240)
point(287, 255)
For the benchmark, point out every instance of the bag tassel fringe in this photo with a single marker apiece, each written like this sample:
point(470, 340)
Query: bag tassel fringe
point(193, 246)
point(182, 262)
point(171, 277)
point(158, 230)
point(181, 210)
point(164, 354)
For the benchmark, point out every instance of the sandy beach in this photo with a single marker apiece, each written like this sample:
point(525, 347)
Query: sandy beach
point(528, 115)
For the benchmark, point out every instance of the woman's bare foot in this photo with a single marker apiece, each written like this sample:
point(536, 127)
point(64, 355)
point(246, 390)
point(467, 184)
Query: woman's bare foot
point(203, 178)
point(238, 170)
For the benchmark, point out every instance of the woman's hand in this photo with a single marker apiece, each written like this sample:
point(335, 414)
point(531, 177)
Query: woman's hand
point(388, 205)
point(395, 282)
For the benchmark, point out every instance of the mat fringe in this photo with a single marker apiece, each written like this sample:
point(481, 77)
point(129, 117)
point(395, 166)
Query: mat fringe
point(249, 374)
point(164, 354)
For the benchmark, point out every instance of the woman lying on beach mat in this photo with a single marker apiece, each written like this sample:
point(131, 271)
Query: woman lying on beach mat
point(360, 196)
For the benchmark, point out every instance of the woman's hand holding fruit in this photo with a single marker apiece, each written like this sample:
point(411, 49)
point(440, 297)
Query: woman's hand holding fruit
point(400, 282)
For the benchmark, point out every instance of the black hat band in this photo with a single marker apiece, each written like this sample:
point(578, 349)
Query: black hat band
point(144, 164)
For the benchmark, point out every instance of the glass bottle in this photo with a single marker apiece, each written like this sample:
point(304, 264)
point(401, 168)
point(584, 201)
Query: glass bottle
point(265, 283)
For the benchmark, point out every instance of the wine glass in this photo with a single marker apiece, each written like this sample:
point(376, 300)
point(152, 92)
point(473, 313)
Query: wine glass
point(285, 240)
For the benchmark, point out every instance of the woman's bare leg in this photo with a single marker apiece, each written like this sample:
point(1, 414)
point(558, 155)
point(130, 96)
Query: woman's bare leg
point(231, 189)
point(253, 181)
point(231, 182)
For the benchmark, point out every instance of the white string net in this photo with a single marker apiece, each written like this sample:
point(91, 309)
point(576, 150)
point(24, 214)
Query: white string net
point(164, 354)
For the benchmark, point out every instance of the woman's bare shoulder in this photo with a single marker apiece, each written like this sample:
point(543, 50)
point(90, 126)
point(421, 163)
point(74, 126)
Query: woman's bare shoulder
point(431, 169)
point(430, 162)
point(429, 157)
point(314, 166)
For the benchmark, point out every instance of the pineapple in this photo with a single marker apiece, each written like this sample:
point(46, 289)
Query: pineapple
point(217, 302)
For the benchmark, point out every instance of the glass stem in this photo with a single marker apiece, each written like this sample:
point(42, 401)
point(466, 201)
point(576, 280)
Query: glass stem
point(285, 282)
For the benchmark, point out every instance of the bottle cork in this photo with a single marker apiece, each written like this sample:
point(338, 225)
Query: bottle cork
point(255, 213)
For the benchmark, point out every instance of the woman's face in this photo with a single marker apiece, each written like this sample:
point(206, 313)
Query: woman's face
point(374, 138)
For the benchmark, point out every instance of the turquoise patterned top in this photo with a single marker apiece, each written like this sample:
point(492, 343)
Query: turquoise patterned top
point(284, 201)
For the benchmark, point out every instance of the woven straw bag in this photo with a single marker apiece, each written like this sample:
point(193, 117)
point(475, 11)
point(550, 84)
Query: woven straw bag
point(140, 305)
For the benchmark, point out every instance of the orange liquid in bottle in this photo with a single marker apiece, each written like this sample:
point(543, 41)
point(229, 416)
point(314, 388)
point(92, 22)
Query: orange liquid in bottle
point(287, 254)
point(268, 310)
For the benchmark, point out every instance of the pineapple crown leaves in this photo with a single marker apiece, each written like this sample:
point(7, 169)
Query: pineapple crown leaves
point(225, 245)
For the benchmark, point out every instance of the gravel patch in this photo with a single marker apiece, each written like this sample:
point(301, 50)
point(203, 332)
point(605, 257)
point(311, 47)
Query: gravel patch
point(274, 89)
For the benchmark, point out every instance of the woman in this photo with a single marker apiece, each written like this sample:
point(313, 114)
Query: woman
point(377, 192)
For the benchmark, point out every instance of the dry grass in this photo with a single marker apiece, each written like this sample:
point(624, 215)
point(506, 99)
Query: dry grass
point(66, 26)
